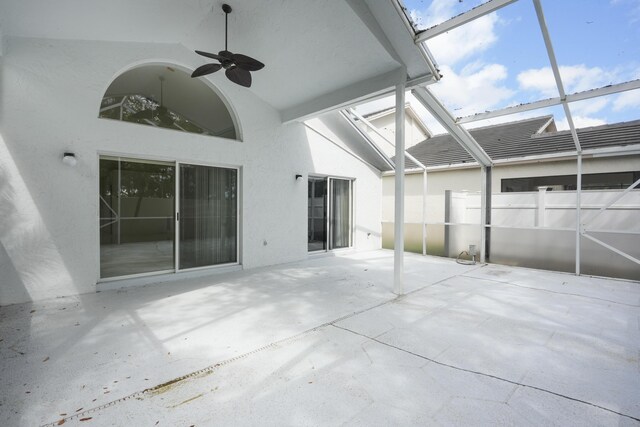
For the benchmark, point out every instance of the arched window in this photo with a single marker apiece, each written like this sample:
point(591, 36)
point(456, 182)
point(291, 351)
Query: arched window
point(167, 97)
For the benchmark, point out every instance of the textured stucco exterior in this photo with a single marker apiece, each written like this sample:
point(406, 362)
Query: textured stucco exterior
point(50, 94)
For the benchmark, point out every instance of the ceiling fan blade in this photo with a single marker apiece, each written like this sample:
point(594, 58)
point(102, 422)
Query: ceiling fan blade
point(225, 54)
point(239, 76)
point(209, 55)
point(246, 62)
point(205, 69)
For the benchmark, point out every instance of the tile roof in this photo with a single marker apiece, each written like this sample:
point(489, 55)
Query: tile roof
point(520, 139)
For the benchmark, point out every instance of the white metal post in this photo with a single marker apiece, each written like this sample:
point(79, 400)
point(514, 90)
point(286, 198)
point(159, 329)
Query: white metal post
point(398, 257)
point(542, 206)
point(424, 212)
point(578, 213)
point(483, 213)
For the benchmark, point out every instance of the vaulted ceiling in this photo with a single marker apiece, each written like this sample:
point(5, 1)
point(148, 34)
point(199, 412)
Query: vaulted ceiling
point(319, 54)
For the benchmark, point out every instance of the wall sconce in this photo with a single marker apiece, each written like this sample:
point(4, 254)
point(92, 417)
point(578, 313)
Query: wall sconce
point(69, 159)
point(298, 177)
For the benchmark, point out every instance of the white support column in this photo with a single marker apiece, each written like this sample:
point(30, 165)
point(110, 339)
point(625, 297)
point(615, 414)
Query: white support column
point(398, 245)
point(542, 206)
point(424, 212)
point(578, 212)
point(483, 213)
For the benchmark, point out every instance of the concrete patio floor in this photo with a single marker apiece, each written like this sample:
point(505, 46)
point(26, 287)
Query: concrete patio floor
point(325, 342)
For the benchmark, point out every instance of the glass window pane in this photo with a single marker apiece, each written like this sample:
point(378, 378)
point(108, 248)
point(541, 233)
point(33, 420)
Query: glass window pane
point(317, 208)
point(340, 213)
point(159, 102)
point(208, 216)
point(136, 217)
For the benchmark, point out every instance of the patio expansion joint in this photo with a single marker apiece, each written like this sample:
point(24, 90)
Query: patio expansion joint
point(549, 291)
point(211, 368)
point(483, 374)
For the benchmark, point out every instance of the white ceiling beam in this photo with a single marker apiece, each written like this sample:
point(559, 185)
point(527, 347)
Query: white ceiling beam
point(415, 82)
point(556, 72)
point(463, 18)
point(444, 117)
point(384, 138)
point(344, 97)
point(368, 140)
point(574, 97)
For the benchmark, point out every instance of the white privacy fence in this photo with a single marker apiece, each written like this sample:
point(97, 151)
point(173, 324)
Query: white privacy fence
point(532, 229)
point(537, 229)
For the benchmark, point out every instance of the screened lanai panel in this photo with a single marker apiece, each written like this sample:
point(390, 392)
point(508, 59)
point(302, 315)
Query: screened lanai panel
point(603, 44)
point(208, 216)
point(492, 62)
point(425, 14)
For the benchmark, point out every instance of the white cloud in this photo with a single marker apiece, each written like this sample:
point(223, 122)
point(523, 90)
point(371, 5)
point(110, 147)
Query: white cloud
point(575, 78)
point(461, 43)
point(580, 122)
point(627, 100)
point(464, 42)
point(440, 11)
point(589, 106)
point(478, 87)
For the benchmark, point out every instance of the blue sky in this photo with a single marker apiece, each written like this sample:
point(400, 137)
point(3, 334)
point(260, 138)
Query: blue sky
point(500, 59)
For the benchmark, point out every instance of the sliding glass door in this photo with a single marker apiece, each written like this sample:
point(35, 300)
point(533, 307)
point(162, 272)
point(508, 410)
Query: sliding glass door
point(329, 213)
point(137, 204)
point(140, 204)
point(340, 218)
point(317, 214)
point(208, 216)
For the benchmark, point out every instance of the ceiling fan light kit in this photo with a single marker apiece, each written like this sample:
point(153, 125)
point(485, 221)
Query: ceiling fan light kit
point(237, 66)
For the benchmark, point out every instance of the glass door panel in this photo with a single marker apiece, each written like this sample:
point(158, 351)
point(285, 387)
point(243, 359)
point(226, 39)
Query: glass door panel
point(340, 217)
point(208, 216)
point(137, 205)
point(317, 214)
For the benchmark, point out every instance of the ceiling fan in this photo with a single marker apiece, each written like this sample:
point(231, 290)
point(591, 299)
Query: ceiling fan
point(237, 66)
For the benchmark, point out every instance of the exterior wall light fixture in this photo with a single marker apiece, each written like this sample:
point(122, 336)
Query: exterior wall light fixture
point(298, 177)
point(69, 159)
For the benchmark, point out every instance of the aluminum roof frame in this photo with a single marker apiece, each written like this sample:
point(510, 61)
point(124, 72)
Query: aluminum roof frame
point(347, 117)
point(556, 72)
point(463, 18)
point(544, 103)
point(462, 136)
point(377, 132)
point(563, 99)
point(446, 119)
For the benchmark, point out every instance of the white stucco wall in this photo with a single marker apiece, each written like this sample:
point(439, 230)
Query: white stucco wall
point(50, 93)
point(387, 124)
